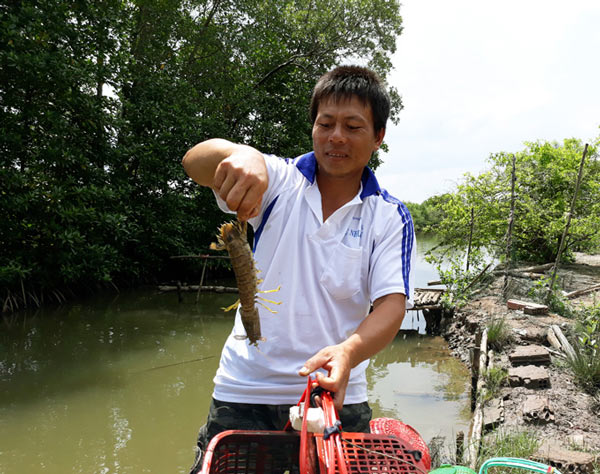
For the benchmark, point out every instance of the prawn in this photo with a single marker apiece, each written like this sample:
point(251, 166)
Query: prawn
point(233, 238)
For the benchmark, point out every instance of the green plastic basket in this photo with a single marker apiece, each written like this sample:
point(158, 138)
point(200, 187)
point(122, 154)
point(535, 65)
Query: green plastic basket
point(449, 469)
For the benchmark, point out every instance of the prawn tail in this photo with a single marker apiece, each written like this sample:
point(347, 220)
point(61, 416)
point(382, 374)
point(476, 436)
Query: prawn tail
point(219, 244)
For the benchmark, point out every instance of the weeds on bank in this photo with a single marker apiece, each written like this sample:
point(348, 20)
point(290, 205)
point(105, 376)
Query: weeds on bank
point(498, 333)
point(540, 292)
point(495, 378)
point(460, 283)
point(585, 363)
point(502, 444)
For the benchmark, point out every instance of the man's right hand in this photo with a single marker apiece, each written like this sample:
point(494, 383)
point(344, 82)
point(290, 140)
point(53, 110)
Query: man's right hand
point(241, 180)
point(237, 173)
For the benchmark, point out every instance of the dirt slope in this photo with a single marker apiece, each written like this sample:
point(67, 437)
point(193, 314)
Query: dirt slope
point(573, 415)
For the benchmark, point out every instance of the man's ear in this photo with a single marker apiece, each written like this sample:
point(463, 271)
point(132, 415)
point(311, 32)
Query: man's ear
point(379, 138)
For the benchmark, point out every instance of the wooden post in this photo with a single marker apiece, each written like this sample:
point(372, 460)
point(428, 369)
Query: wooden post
point(460, 447)
point(472, 451)
point(569, 215)
point(201, 281)
point(470, 236)
point(511, 217)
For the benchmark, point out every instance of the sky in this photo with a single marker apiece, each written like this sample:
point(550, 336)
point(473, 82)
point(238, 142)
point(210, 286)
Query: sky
point(481, 76)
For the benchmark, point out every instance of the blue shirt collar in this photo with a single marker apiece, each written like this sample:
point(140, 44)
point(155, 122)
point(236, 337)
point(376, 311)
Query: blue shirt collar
point(307, 164)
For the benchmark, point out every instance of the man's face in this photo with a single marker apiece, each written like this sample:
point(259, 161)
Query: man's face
point(344, 138)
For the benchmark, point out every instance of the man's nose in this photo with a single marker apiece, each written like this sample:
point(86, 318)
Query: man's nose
point(337, 134)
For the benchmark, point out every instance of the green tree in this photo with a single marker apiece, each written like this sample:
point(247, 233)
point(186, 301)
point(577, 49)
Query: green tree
point(545, 177)
point(99, 100)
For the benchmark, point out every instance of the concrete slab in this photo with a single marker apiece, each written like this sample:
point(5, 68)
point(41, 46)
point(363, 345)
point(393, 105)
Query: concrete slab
point(530, 376)
point(531, 354)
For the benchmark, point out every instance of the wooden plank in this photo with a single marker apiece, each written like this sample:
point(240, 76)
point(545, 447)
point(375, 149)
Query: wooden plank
point(477, 423)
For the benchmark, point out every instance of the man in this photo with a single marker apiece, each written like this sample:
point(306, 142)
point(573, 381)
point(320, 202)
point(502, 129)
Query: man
point(334, 241)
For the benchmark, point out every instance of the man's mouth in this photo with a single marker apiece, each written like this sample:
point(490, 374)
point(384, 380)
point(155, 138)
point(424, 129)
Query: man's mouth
point(337, 155)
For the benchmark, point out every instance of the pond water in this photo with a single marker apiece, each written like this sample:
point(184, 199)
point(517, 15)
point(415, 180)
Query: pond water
point(121, 383)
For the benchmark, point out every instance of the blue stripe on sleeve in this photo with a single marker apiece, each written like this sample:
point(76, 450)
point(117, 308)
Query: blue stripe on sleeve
point(407, 244)
point(408, 237)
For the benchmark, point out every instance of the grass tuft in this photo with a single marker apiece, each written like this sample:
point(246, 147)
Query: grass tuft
point(585, 365)
point(495, 378)
point(503, 444)
point(498, 333)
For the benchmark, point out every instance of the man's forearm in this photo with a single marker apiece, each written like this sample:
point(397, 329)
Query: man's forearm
point(237, 173)
point(377, 330)
point(373, 334)
point(202, 160)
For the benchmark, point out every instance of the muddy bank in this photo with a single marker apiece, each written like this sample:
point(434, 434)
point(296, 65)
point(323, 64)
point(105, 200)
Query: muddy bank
point(545, 400)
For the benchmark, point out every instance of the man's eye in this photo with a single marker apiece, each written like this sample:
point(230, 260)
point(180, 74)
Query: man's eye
point(353, 127)
point(325, 125)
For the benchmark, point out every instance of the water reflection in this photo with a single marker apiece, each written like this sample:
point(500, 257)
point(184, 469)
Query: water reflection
point(416, 381)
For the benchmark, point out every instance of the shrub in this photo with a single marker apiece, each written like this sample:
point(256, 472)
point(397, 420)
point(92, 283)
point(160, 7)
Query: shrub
point(540, 292)
point(585, 363)
point(495, 377)
point(498, 333)
point(504, 444)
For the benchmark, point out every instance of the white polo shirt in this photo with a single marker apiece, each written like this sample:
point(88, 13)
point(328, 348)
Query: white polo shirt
point(330, 273)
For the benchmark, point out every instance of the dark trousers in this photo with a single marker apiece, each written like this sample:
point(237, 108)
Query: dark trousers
point(223, 416)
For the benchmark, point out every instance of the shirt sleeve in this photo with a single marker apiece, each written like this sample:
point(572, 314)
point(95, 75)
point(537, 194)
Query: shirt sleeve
point(393, 259)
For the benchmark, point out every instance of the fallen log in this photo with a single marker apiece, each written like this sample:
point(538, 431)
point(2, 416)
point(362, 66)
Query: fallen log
point(584, 291)
point(553, 340)
point(518, 274)
point(479, 275)
point(566, 346)
point(536, 268)
point(202, 256)
point(215, 289)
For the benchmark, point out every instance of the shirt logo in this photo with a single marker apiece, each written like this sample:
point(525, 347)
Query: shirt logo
point(355, 232)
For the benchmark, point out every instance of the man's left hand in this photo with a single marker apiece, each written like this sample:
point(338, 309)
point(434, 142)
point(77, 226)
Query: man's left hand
point(336, 361)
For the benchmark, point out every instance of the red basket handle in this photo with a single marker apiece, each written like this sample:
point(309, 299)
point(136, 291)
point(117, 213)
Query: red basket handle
point(306, 466)
point(332, 439)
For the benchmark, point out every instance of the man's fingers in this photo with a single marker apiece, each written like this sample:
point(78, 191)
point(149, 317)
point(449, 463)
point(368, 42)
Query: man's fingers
point(249, 205)
point(315, 362)
point(338, 398)
point(338, 390)
point(242, 192)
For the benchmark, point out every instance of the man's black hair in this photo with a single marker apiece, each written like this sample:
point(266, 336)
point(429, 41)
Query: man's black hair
point(343, 82)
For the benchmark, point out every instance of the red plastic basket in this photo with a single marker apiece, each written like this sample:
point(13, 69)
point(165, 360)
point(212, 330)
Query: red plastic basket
point(262, 452)
point(245, 452)
point(393, 427)
point(372, 453)
point(265, 452)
